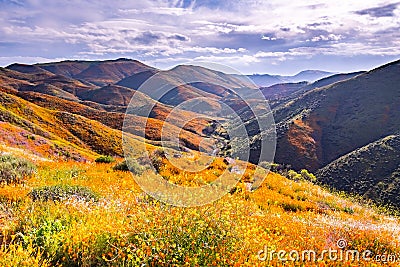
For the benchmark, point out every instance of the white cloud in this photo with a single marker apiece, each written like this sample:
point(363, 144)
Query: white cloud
point(5, 61)
point(248, 31)
point(173, 11)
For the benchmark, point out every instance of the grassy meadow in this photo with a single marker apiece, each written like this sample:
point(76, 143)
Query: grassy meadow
point(90, 214)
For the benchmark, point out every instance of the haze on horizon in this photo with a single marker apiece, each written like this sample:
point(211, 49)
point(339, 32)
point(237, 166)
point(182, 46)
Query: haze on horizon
point(276, 36)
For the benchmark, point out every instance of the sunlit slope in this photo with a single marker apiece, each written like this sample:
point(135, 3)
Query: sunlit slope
point(60, 126)
point(99, 73)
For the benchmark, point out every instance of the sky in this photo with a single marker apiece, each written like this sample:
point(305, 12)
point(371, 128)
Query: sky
point(252, 36)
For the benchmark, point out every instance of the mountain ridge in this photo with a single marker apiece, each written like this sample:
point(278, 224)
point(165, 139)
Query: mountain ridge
point(265, 80)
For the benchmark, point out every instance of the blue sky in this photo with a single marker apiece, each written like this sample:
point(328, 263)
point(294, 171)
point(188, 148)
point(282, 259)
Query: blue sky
point(252, 36)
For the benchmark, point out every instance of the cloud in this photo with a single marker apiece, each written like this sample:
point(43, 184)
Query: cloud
point(172, 11)
point(383, 11)
point(179, 37)
point(239, 31)
point(5, 61)
point(147, 38)
point(328, 37)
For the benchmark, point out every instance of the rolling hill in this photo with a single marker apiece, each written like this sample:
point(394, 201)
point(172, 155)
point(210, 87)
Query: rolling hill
point(328, 126)
point(183, 83)
point(99, 73)
point(64, 132)
point(82, 109)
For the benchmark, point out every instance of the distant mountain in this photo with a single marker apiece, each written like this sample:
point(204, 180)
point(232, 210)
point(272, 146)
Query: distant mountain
point(265, 80)
point(283, 92)
point(308, 75)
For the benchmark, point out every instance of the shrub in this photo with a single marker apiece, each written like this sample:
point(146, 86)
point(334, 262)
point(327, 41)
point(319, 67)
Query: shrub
point(63, 192)
point(269, 166)
point(348, 210)
point(308, 176)
point(45, 237)
point(304, 175)
point(292, 207)
point(293, 175)
point(15, 170)
point(132, 165)
point(157, 158)
point(122, 166)
point(139, 165)
point(105, 159)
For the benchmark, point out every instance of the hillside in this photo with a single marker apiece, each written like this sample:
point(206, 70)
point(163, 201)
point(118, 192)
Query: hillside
point(110, 220)
point(183, 83)
point(57, 86)
point(61, 126)
point(277, 91)
point(33, 78)
point(109, 95)
point(281, 93)
point(99, 73)
point(331, 121)
point(372, 171)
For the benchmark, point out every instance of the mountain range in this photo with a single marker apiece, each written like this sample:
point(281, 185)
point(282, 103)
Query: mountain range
point(343, 127)
point(265, 80)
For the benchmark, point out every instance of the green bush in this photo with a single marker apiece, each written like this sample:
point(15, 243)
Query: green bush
point(15, 170)
point(348, 210)
point(132, 165)
point(269, 166)
point(293, 207)
point(63, 192)
point(46, 236)
point(105, 159)
point(304, 175)
point(293, 175)
point(139, 165)
point(308, 175)
point(122, 166)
